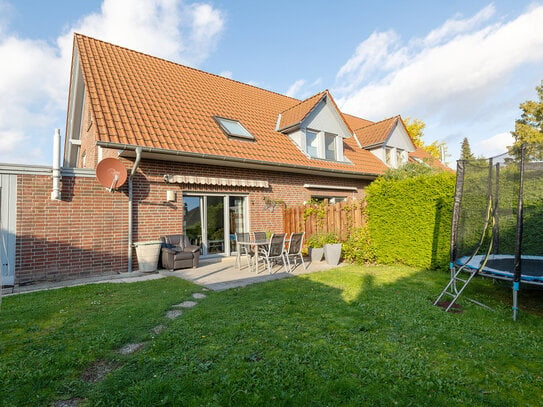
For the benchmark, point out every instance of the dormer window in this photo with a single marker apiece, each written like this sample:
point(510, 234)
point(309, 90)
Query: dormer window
point(312, 143)
point(330, 146)
point(233, 128)
point(323, 145)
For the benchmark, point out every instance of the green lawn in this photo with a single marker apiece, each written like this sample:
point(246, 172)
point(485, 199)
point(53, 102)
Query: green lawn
point(352, 336)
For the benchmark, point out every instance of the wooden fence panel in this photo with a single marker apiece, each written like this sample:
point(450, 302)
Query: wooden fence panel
point(339, 218)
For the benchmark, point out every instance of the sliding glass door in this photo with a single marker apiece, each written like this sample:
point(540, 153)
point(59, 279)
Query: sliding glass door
point(212, 221)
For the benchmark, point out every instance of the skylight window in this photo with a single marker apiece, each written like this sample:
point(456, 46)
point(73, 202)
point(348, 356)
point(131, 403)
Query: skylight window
point(233, 128)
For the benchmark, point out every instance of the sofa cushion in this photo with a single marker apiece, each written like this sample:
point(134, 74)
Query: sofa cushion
point(183, 255)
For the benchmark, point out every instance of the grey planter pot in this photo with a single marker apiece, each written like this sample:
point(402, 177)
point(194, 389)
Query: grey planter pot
point(316, 253)
point(332, 253)
point(148, 253)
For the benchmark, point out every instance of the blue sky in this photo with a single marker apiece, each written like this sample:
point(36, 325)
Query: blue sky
point(463, 67)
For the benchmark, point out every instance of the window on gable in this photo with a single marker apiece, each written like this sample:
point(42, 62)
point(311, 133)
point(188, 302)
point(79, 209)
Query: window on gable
point(388, 156)
point(233, 128)
point(319, 144)
point(312, 143)
point(330, 146)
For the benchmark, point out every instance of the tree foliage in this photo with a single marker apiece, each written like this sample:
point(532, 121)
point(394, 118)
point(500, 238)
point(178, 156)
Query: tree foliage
point(415, 128)
point(529, 128)
point(466, 153)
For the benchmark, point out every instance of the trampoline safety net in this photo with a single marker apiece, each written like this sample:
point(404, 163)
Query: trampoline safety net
point(486, 218)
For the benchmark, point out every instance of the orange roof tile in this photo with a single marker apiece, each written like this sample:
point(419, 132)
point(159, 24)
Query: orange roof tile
point(137, 99)
point(376, 133)
point(425, 156)
point(356, 122)
point(297, 113)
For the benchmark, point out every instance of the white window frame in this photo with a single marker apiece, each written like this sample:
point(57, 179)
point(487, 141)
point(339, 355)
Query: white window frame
point(321, 145)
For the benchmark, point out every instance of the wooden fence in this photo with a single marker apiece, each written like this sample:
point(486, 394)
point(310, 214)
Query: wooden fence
point(339, 218)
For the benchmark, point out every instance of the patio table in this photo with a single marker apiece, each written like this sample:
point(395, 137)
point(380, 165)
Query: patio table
point(256, 244)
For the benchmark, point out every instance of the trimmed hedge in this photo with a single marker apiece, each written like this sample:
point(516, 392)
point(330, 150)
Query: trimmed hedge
point(410, 219)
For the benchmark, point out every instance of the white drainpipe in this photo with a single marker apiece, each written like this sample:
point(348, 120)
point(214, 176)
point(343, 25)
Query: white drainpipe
point(55, 194)
point(130, 209)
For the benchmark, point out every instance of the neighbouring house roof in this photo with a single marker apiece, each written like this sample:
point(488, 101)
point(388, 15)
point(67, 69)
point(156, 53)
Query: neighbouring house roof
point(420, 154)
point(141, 100)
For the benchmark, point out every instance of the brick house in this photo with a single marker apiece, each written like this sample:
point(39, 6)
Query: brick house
point(208, 157)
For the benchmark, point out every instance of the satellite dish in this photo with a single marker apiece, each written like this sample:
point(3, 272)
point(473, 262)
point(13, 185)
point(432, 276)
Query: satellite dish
point(111, 173)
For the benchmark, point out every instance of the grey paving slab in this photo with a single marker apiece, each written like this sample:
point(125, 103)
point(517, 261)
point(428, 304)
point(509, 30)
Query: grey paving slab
point(215, 274)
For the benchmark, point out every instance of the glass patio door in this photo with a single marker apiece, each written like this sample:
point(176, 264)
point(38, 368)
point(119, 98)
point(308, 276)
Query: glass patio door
point(215, 224)
point(211, 221)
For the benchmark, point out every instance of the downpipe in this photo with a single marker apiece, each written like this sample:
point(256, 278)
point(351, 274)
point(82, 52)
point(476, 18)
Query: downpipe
point(130, 206)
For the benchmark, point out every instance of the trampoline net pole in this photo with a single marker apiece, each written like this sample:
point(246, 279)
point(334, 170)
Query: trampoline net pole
point(517, 268)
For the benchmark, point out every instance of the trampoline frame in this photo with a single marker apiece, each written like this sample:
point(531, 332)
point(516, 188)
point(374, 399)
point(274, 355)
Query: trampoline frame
point(476, 262)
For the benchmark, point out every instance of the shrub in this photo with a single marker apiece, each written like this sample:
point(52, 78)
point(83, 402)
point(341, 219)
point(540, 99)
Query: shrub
point(358, 247)
point(410, 219)
point(319, 239)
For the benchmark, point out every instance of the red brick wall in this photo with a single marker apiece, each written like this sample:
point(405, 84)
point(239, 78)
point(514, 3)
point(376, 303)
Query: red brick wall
point(86, 233)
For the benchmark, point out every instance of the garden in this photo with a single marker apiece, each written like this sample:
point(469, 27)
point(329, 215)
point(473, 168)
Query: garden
point(355, 335)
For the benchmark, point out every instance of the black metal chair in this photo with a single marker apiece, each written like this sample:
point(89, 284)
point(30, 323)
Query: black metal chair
point(295, 249)
point(243, 249)
point(276, 251)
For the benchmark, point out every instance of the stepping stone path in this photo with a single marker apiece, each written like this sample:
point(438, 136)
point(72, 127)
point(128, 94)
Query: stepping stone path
point(131, 348)
point(158, 329)
point(186, 304)
point(174, 313)
point(100, 369)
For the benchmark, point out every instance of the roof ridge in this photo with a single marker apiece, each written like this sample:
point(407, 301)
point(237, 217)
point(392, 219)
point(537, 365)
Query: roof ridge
point(185, 66)
point(305, 100)
point(379, 122)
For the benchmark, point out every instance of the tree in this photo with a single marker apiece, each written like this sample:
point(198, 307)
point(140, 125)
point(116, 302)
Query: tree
point(466, 150)
point(529, 128)
point(415, 128)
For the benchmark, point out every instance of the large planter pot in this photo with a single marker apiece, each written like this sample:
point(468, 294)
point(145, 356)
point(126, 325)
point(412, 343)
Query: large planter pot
point(316, 253)
point(332, 253)
point(148, 253)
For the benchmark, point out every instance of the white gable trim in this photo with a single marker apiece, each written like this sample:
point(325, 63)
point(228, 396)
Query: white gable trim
point(342, 129)
point(76, 101)
point(399, 138)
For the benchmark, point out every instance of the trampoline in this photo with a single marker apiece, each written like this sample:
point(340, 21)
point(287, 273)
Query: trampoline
point(497, 222)
point(502, 266)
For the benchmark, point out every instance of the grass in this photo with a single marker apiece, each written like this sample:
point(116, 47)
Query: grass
point(352, 336)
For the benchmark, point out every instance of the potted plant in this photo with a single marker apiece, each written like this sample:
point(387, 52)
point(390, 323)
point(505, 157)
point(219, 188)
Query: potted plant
point(332, 251)
point(317, 242)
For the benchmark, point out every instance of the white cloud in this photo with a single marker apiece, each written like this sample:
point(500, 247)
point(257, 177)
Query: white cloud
point(226, 74)
point(34, 75)
point(494, 145)
point(436, 77)
point(293, 89)
point(458, 75)
point(456, 26)
point(301, 89)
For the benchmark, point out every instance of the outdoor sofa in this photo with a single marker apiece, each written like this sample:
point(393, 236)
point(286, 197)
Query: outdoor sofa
point(177, 252)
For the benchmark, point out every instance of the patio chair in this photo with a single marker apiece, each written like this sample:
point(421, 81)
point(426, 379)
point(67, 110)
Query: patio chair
point(295, 249)
point(243, 249)
point(260, 236)
point(177, 252)
point(276, 251)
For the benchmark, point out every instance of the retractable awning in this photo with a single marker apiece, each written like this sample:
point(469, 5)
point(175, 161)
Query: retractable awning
point(230, 182)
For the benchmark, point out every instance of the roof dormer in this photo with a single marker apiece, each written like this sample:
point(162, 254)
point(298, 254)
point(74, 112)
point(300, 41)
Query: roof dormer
point(317, 127)
point(388, 140)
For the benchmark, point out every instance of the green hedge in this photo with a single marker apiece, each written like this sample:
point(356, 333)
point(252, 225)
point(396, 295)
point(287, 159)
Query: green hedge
point(410, 219)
